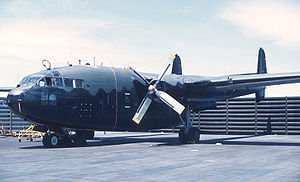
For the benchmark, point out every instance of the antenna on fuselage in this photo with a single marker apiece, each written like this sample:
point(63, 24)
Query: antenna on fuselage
point(46, 64)
point(69, 63)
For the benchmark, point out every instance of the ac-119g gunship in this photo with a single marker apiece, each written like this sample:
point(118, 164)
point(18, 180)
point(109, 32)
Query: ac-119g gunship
point(70, 103)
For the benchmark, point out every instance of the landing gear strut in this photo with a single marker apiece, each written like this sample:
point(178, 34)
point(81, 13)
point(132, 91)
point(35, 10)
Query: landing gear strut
point(66, 138)
point(79, 139)
point(188, 134)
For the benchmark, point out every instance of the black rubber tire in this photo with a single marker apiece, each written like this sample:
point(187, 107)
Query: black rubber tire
point(46, 141)
point(193, 136)
point(51, 140)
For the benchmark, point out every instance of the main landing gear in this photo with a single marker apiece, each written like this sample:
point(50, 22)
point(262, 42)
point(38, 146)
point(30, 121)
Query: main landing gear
point(66, 138)
point(188, 134)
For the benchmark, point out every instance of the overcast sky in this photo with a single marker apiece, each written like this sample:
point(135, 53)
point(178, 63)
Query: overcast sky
point(212, 37)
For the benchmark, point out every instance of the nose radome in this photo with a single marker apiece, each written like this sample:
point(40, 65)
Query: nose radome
point(14, 99)
point(8, 99)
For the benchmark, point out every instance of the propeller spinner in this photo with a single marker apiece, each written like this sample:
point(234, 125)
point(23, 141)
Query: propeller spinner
point(152, 91)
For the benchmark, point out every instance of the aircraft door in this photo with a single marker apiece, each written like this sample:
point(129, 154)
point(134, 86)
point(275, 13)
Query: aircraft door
point(105, 109)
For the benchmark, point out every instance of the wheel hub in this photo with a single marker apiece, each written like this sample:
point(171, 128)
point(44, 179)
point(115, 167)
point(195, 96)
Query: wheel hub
point(54, 140)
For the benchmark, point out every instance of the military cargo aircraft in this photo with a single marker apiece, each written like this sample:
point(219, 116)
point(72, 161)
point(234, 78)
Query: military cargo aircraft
point(70, 103)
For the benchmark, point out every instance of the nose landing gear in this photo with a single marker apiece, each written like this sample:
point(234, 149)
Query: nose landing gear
point(51, 140)
point(66, 138)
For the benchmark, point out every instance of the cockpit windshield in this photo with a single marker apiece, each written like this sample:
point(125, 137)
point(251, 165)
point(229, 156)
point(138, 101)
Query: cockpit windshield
point(51, 81)
point(23, 81)
point(30, 80)
point(33, 80)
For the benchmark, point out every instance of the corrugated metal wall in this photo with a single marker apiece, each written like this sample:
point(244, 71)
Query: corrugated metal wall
point(274, 115)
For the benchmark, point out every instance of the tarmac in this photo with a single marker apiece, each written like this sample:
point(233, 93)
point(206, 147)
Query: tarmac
point(127, 156)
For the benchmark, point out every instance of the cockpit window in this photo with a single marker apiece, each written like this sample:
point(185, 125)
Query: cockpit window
point(42, 82)
point(54, 82)
point(58, 82)
point(29, 80)
point(24, 80)
point(49, 81)
point(33, 80)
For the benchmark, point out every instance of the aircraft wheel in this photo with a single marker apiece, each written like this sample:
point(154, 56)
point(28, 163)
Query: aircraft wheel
point(46, 141)
point(192, 136)
point(50, 140)
point(183, 137)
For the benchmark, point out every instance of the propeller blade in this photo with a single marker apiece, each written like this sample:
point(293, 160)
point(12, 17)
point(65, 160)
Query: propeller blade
point(142, 110)
point(167, 99)
point(170, 101)
point(171, 59)
point(139, 75)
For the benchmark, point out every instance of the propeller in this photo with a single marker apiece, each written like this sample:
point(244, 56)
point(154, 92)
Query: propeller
point(152, 92)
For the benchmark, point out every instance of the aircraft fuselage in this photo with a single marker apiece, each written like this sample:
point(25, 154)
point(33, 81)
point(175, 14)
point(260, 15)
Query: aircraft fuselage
point(104, 99)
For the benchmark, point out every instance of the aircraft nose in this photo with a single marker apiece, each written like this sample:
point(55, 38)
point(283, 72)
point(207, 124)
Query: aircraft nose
point(14, 100)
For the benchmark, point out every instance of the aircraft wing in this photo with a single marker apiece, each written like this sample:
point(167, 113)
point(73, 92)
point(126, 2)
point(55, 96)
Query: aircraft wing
point(249, 80)
point(6, 89)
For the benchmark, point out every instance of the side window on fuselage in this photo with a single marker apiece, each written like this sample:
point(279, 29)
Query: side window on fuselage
point(68, 82)
point(74, 83)
point(58, 82)
point(77, 83)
